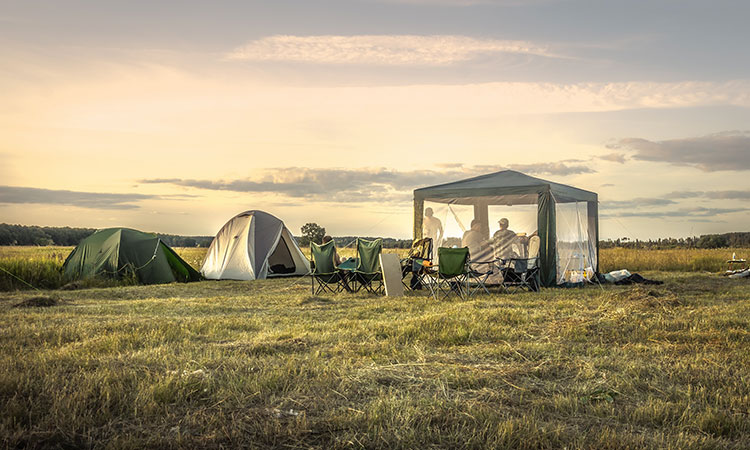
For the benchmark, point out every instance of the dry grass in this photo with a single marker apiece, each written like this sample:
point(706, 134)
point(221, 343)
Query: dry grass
point(265, 365)
point(673, 260)
point(41, 266)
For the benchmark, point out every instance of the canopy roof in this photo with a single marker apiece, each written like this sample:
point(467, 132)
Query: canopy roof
point(506, 185)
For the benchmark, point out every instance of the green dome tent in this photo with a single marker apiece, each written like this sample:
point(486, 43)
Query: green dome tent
point(115, 252)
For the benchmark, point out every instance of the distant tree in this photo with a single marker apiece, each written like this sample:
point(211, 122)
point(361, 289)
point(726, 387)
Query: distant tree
point(312, 232)
point(713, 241)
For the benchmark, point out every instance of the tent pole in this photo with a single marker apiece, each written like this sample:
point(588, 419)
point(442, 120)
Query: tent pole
point(546, 223)
point(481, 213)
point(593, 215)
point(418, 217)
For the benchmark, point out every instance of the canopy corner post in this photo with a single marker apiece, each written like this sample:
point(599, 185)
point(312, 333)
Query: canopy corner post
point(481, 213)
point(593, 216)
point(547, 230)
point(418, 217)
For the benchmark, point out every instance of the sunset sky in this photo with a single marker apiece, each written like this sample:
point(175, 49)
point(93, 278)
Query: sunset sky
point(173, 116)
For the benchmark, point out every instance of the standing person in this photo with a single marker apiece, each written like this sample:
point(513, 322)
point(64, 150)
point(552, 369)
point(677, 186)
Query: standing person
point(432, 228)
point(503, 240)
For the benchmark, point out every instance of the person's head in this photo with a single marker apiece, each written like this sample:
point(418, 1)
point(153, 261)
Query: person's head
point(476, 224)
point(428, 212)
point(327, 238)
point(503, 223)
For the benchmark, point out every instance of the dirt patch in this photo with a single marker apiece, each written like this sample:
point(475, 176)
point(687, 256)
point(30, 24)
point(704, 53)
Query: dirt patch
point(314, 299)
point(72, 286)
point(39, 301)
point(97, 282)
point(650, 297)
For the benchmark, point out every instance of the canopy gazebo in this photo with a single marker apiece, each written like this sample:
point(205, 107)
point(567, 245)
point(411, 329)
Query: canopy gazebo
point(565, 218)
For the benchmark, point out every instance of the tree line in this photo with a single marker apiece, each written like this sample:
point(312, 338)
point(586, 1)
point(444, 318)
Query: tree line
point(68, 236)
point(312, 232)
point(739, 239)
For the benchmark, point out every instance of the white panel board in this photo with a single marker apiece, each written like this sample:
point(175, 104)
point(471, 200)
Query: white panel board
point(391, 267)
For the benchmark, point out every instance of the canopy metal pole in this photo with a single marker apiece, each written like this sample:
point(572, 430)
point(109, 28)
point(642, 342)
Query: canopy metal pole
point(481, 213)
point(593, 215)
point(418, 217)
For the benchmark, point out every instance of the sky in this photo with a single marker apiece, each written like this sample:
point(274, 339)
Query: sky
point(173, 116)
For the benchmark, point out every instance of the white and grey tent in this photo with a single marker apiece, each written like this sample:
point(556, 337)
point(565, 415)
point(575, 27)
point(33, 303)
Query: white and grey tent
point(254, 245)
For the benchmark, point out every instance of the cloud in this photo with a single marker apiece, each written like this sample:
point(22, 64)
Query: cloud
point(460, 3)
point(384, 50)
point(714, 195)
point(559, 168)
point(334, 185)
point(636, 203)
point(654, 205)
point(728, 150)
point(179, 196)
point(379, 185)
point(614, 157)
point(96, 200)
point(697, 212)
point(449, 165)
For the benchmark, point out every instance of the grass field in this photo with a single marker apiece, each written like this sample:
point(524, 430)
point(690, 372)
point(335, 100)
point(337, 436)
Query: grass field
point(265, 364)
point(41, 266)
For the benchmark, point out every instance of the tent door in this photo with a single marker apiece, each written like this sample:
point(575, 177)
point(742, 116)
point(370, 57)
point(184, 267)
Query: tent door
point(281, 261)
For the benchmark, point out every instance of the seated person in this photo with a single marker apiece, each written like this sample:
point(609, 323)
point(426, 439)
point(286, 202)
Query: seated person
point(336, 257)
point(503, 241)
point(337, 260)
point(472, 239)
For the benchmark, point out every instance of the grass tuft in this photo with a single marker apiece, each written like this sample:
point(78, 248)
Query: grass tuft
point(38, 301)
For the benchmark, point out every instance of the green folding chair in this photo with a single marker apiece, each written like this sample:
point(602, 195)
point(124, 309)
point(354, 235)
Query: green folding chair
point(452, 276)
point(324, 271)
point(368, 275)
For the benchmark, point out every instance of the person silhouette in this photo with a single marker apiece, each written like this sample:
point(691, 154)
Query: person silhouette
point(503, 240)
point(432, 228)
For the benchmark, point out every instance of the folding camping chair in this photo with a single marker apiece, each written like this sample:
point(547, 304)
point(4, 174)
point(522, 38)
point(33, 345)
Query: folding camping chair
point(324, 269)
point(521, 273)
point(368, 274)
point(414, 263)
point(479, 272)
point(452, 274)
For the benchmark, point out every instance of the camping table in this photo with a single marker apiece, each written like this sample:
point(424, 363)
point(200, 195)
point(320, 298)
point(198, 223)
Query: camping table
point(733, 262)
point(348, 267)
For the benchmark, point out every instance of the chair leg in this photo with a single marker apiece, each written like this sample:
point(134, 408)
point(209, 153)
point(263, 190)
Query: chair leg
point(481, 283)
point(455, 285)
point(428, 281)
point(324, 287)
